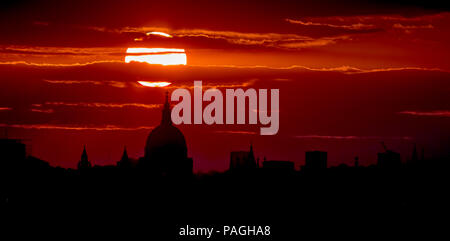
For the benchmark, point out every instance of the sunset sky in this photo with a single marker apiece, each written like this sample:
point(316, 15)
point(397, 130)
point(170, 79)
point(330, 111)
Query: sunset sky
point(351, 75)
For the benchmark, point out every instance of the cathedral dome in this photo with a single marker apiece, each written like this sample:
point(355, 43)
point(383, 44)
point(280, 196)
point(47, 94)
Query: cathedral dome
point(166, 141)
point(166, 146)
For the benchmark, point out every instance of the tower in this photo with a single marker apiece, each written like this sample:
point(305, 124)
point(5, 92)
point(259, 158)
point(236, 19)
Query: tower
point(166, 115)
point(124, 161)
point(243, 160)
point(84, 162)
point(414, 157)
point(251, 155)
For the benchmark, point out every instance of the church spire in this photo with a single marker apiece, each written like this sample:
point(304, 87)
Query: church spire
point(251, 155)
point(84, 156)
point(166, 116)
point(124, 161)
point(414, 157)
point(125, 154)
point(84, 161)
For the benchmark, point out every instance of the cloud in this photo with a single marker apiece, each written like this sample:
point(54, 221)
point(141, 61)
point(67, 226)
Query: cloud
point(312, 96)
point(129, 71)
point(308, 37)
point(47, 111)
point(76, 127)
point(353, 26)
point(352, 70)
point(116, 84)
point(216, 39)
point(57, 64)
point(436, 113)
point(408, 28)
point(372, 22)
point(307, 44)
point(68, 51)
point(326, 137)
point(194, 38)
point(209, 85)
point(237, 132)
point(371, 19)
point(101, 105)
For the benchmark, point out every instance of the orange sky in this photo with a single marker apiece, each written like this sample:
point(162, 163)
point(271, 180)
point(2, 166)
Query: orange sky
point(361, 36)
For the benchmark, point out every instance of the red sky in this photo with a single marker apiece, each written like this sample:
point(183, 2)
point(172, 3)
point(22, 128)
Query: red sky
point(350, 76)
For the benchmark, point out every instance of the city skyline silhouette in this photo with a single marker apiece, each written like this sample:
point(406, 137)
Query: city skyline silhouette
point(335, 119)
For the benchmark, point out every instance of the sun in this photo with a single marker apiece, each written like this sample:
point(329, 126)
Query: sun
point(154, 84)
point(163, 56)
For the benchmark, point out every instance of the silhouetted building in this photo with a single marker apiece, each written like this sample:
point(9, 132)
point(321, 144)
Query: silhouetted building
point(12, 153)
point(414, 156)
point(389, 159)
point(12, 149)
point(279, 165)
point(356, 163)
point(315, 160)
point(242, 160)
point(35, 164)
point(124, 161)
point(166, 150)
point(84, 161)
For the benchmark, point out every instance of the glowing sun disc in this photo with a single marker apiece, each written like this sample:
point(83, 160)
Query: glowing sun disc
point(163, 56)
point(153, 50)
point(154, 84)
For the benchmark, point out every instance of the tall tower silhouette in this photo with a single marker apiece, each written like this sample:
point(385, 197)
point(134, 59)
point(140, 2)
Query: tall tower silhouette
point(414, 157)
point(124, 161)
point(243, 160)
point(166, 114)
point(251, 155)
point(84, 162)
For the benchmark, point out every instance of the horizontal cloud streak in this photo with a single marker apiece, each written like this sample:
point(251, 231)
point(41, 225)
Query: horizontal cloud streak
point(372, 22)
point(48, 111)
point(101, 105)
point(354, 26)
point(326, 137)
point(117, 84)
point(204, 39)
point(75, 127)
point(436, 113)
point(216, 85)
point(237, 132)
point(409, 27)
point(152, 71)
point(37, 50)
